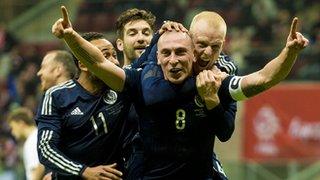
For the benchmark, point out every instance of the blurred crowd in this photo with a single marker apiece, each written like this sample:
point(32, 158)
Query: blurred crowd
point(257, 31)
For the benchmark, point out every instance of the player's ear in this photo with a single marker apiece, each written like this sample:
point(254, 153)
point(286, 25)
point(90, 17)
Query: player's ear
point(58, 69)
point(82, 67)
point(194, 57)
point(119, 43)
point(158, 59)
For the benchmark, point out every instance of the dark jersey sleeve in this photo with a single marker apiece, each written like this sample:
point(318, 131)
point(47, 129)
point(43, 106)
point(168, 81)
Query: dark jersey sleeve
point(132, 82)
point(49, 123)
point(224, 92)
point(144, 58)
point(224, 114)
point(226, 64)
point(223, 117)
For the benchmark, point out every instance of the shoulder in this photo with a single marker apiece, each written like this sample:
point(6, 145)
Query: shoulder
point(56, 95)
point(61, 88)
point(226, 63)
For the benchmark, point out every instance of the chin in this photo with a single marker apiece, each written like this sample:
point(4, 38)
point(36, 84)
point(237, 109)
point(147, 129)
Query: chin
point(198, 68)
point(176, 81)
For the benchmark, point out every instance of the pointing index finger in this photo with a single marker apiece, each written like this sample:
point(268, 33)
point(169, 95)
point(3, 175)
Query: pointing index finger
point(65, 15)
point(293, 28)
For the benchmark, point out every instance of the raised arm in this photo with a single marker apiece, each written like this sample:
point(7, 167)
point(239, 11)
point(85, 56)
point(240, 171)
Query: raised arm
point(88, 54)
point(277, 69)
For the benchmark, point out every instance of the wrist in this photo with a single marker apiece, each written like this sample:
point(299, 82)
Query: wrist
point(69, 34)
point(217, 110)
point(212, 102)
point(83, 171)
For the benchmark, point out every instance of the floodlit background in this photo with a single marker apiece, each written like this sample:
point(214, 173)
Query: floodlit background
point(276, 133)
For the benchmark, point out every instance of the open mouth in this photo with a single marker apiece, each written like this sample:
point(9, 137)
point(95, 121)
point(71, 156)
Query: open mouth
point(175, 70)
point(140, 48)
point(203, 63)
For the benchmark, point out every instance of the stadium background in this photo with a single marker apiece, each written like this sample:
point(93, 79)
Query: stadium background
point(257, 30)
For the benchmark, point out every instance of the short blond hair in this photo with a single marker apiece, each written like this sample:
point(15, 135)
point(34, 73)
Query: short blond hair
point(21, 114)
point(212, 19)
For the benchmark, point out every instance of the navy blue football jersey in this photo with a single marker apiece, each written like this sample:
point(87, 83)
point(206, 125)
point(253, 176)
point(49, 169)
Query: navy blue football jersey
point(77, 129)
point(177, 137)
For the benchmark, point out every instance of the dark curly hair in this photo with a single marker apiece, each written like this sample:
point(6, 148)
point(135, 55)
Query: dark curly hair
point(131, 15)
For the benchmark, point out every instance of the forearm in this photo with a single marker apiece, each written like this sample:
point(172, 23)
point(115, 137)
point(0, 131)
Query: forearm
point(94, 60)
point(51, 157)
point(270, 75)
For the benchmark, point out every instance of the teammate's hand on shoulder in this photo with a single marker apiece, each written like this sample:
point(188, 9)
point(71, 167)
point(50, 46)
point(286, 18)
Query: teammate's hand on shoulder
point(296, 41)
point(171, 25)
point(62, 26)
point(208, 84)
point(107, 172)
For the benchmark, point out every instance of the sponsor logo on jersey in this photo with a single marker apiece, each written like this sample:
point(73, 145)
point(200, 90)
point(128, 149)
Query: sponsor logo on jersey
point(198, 101)
point(76, 111)
point(110, 97)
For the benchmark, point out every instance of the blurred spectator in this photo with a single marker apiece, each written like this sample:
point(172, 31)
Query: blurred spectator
point(8, 157)
point(24, 130)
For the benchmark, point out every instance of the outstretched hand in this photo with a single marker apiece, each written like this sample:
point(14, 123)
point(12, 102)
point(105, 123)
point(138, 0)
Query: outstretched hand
point(296, 41)
point(63, 25)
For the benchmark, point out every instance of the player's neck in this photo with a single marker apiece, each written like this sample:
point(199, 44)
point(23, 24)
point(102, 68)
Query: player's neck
point(62, 79)
point(91, 86)
point(127, 61)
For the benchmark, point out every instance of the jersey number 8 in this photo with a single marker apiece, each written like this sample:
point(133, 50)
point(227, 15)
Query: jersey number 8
point(180, 119)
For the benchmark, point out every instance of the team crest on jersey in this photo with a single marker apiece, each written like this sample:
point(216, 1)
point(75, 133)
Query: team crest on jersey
point(198, 101)
point(110, 97)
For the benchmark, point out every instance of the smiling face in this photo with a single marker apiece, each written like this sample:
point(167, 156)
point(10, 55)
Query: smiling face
point(175, 56)
point(208, 31)
point(49, 71)
point(137, 35)
point(109, 53)
point(107, 50)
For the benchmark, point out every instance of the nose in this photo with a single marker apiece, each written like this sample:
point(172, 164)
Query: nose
point(114, 60)
point(208, 51)
point(39, 73)
point(173, 60)
point(141, 38)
